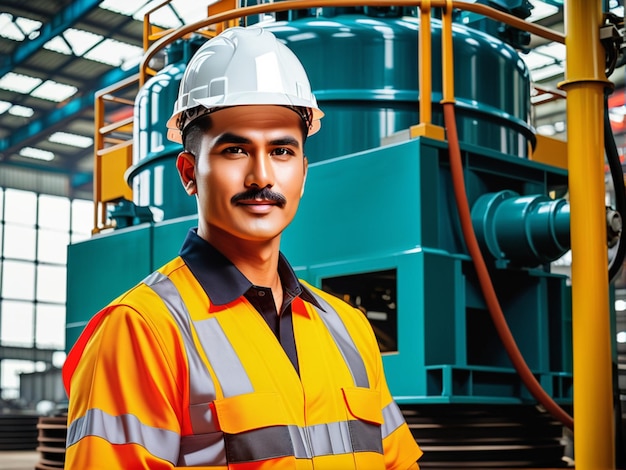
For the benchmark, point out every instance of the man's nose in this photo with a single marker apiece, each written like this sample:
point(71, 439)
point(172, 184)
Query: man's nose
point(261, 172)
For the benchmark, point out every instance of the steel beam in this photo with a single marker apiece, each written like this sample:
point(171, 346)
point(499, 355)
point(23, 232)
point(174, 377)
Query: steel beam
point(63, 20)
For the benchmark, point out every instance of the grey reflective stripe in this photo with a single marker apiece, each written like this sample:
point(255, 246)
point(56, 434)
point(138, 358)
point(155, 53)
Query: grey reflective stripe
point(125, 429)
point(393, 418)
point(341, 437)
point(258, 444)
point(366, 437)
point(344, 342)
point(303, 443)
point(224, 360)
point(201, 387)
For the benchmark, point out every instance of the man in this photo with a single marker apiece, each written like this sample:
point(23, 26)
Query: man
point(222, 358)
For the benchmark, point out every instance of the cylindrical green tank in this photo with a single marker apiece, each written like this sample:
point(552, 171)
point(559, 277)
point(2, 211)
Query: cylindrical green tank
point(153, 176)
point(364, 73)
point(363, 67)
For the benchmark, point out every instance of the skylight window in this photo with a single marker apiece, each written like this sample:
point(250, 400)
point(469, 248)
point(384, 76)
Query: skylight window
point(57, 44)
point(37, 154)
point(4, 105)
point(19, 83)
point(73, 140)
point(123, 7)
point(54, 91)
point(21, 111)
point(73, 41)
point(114, 52)
point(18, 28)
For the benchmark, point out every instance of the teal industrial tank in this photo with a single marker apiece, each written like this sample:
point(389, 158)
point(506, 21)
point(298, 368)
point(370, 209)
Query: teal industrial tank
point(364, 73)
point(153, 176)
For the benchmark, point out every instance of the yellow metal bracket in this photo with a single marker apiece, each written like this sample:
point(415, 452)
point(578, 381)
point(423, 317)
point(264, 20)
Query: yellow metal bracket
point(426, 129)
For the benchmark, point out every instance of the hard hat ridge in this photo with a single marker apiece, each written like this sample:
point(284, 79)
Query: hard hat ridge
point(243, 66)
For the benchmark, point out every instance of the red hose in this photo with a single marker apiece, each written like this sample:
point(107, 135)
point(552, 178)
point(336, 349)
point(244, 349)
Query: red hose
point(497, 316)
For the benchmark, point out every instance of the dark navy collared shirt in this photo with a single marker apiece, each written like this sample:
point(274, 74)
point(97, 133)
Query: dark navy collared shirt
point(224, 283)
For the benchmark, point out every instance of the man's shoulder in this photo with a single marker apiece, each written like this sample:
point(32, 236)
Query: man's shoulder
point(143, 290)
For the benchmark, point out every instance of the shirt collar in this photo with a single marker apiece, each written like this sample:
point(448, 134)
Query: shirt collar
point(220, 278)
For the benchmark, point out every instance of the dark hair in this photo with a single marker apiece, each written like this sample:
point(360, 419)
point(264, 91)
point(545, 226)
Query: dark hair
point(193, 133)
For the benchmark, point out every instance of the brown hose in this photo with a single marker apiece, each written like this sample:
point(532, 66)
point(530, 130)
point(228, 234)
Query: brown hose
point(497, 316)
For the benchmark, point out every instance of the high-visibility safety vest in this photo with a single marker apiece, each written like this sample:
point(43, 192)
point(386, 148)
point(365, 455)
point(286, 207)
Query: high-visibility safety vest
point(162, 379)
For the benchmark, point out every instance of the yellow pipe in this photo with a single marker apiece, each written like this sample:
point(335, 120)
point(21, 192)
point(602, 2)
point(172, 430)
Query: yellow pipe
point(585, 81)
point(447, 55)
point(425, 64)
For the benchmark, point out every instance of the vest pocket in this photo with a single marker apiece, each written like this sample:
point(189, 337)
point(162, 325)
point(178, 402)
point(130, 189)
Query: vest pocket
point(364, 404)
point(242, 413)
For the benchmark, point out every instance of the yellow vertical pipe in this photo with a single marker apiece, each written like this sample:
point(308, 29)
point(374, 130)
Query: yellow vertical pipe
point(585, 81)
point(425, 64)
point(447, 55)
point(425, 126)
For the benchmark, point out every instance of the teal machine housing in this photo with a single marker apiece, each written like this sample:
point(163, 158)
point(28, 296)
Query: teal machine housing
point(378, 224)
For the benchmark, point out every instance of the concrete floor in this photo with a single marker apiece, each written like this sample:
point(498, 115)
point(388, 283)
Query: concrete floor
point(18, 459)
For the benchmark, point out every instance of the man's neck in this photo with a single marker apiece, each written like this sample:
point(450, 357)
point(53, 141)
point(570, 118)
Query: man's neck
point(257, 260)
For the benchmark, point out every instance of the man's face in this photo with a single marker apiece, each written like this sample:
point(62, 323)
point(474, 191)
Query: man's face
point(249, 173)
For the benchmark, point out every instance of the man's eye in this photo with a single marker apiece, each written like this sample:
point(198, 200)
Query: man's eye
point(282, 152)
point(233, 150)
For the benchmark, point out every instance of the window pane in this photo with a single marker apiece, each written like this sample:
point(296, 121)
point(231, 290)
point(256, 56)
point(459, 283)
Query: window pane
point(19, 242)
point(18, 280)
point(20, 207)
point(51, 283)
point(52, 246)
point(17, 323)
point(1, 204)
point(50, 327)
point(11, 370)
point(54, 212)
point(82, 219)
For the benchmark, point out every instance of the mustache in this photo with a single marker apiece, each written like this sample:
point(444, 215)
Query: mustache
point(260, 193)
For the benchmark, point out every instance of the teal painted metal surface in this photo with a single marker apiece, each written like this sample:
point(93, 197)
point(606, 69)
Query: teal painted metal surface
point(527, 230)
point(364, 73)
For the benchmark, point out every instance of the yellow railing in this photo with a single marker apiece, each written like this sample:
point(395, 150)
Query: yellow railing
point(112, 150)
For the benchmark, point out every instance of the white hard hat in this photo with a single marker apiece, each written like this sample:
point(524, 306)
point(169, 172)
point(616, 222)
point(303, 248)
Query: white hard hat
point(243, 66)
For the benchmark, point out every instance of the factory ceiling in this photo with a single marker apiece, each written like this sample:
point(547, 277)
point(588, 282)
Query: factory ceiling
point(56, 55)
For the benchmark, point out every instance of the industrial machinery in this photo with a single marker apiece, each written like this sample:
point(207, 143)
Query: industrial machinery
point(431, 204)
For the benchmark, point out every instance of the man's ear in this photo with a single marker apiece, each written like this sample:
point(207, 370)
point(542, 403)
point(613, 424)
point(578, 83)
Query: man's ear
point(186, 165)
